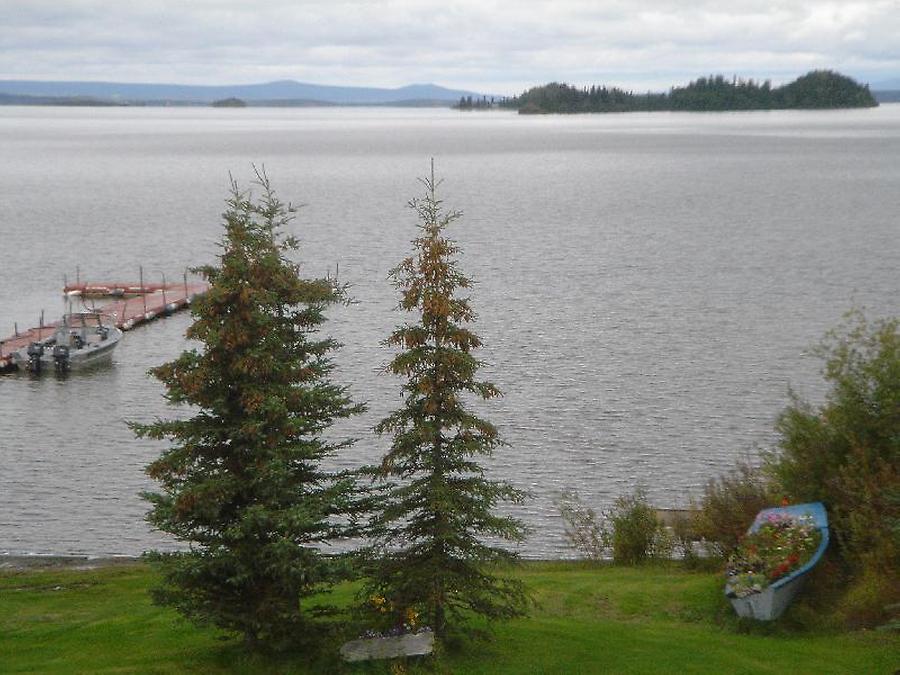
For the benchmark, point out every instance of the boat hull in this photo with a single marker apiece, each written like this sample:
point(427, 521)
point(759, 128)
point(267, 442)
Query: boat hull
point(87, 356)
point(770, 603)
point(71, 348)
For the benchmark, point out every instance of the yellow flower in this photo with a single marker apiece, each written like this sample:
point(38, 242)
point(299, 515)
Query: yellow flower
point(412, 617)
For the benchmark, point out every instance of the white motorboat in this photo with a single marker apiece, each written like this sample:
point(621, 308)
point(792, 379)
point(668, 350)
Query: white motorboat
point(81, 339)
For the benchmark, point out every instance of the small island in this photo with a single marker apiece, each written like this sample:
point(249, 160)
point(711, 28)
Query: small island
point(818, 89)
point(229, 103)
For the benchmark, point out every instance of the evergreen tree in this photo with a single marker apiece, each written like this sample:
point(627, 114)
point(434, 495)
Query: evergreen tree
point(241, 482)
point(433, 526)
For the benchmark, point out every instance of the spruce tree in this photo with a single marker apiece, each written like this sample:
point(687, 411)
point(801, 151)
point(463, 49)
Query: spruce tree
point(242, 481)
point(438, 532)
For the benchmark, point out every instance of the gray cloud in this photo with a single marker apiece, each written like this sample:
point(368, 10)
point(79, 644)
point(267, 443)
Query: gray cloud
point(489, 45)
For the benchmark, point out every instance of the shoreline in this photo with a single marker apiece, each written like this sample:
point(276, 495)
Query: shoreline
point(53, 562)
point(19, 563)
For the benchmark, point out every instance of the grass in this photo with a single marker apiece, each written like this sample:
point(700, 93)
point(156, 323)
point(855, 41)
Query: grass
point(587, 620)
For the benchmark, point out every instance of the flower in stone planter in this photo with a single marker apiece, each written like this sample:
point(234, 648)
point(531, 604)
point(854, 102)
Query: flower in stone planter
point(380, 604)
point(390, 620)
point(779, 546)
point(412, 619)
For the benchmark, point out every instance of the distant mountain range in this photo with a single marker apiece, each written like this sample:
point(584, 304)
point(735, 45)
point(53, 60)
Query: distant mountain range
point(887, 96)
point(283, 92)
point(279, 93)
point(886, 91)
point(886, 85)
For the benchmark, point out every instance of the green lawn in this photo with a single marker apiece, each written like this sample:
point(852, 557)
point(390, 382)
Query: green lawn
point(587, 620)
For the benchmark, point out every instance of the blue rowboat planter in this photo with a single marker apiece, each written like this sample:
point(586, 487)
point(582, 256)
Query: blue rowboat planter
point(762, 583)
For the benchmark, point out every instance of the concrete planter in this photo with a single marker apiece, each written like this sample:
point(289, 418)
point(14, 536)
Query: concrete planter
point(411, 644)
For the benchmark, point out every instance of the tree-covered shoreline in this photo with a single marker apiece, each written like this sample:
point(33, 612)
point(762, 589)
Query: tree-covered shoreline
point(818, 89)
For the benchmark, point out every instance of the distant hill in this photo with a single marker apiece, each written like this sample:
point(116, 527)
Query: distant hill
point(815, 90)
point(892, 84)
point(823, 89)
point(282, 92)
point(887, 96)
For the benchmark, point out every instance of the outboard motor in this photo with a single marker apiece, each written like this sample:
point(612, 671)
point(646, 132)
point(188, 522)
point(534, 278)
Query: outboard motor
point(61, 358)
point(35, 352)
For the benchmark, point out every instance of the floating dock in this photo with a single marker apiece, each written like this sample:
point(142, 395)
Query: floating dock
point(114, 289)
point(133, 305)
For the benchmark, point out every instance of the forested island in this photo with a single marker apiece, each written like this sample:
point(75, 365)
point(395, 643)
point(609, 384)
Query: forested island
point(231, 102)
point(817, 89)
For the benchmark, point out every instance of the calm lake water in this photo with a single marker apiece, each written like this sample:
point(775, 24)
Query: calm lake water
point(650, 284)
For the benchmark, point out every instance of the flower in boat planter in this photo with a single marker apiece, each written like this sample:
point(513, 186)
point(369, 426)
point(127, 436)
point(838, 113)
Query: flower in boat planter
point(779, 546)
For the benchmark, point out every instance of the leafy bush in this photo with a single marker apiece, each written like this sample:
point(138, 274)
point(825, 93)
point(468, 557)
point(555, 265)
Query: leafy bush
point(684, 536)
point(846, 453)
point(583, 530)
point(728, 506)
point(637, 534)
point(630, 531)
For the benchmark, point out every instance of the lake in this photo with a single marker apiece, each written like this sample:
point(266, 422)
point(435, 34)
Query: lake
point(649, 288)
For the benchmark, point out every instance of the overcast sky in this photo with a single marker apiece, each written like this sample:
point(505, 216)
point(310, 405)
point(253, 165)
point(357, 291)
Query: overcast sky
point(486, 45)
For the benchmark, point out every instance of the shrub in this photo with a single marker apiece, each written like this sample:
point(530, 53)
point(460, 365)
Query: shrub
point(684, 535)
point(729, 504)
point(870, 600)
point(630, 530)
point(583, 530)
point(637, 534)
point(845, 453)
